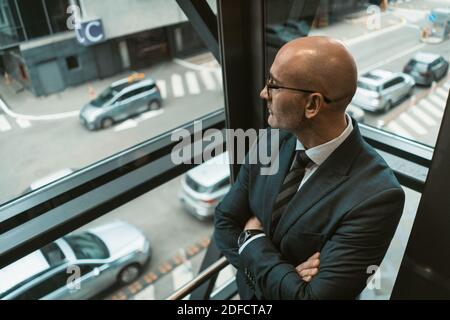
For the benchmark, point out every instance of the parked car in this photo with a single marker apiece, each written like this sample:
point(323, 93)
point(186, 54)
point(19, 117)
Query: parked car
point(356, 113)
point(123, 99)
point(301, 27)
point(426, 67)
point(49, 179)
point(278, 34)
point(204, 186)
point(380, 90)
point(111, 253)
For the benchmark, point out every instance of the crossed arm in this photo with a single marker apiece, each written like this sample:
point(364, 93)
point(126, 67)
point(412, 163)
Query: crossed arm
point(359, 242)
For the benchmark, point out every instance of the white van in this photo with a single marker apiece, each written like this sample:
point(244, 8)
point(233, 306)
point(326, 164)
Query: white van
point(205, 185)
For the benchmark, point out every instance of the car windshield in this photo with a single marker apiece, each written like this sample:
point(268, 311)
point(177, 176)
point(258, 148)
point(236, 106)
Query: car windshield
point(87, 246)
point(104, 97)
point(419, 66)
point(368, 86)
point(53, 254)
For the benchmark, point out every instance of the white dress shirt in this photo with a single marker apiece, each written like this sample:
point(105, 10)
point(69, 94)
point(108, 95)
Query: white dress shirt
point(318, 155)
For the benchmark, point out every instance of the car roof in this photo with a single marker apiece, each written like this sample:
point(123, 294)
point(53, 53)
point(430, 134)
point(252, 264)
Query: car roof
point(50, 178)
point(377, 77)
point(131, 82)
point(211, 171)
point(426, 57)
point(22, 269)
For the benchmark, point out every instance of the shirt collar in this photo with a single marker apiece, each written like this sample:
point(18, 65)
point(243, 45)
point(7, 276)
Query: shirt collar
point(320, 153)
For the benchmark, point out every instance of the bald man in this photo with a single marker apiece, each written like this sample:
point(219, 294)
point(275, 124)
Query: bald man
point(320, 226)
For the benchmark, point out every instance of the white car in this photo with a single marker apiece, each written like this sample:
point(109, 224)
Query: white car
point(205, 185)
point(102, 256)
point(380, 90)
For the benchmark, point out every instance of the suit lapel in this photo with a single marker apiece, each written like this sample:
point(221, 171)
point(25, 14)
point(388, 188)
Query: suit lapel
point(327, 177)
point(274, 182)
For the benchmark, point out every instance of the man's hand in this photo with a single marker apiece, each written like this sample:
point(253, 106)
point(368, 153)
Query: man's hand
point(310, 268)
point(253, 223)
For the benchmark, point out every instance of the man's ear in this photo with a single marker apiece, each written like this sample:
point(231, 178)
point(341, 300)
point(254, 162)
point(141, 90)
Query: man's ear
point(313, 105)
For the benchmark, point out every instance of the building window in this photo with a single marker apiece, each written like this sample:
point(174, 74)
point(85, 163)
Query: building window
point(72, 63)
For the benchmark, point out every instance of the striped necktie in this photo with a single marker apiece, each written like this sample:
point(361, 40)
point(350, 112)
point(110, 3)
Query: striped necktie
point(290, 186)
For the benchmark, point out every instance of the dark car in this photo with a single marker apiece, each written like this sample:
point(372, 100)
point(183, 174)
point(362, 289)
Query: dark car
point(278, 34)
point(426, 67)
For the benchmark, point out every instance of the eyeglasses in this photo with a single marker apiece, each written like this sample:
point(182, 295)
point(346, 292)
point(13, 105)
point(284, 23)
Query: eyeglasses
point(270, 86)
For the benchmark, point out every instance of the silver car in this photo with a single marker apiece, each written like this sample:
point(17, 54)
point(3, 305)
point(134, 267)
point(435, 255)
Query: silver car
point(79, 265)
point(380, 90)
point(204, 186)
point(426, 67)
point(122, 100)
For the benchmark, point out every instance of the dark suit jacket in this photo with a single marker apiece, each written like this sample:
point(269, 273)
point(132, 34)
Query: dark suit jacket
point(348, 210)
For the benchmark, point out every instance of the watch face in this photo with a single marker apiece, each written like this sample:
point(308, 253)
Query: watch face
point(242, 238)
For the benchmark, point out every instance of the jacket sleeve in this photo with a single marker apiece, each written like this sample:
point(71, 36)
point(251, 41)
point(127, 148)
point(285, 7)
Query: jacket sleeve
point(231, 215)
point(360, 242)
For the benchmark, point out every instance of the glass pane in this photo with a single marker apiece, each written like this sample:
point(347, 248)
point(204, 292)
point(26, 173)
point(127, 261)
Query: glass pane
point(57, 114)
point(400, 38)
point(395, 47)
point(155, 243)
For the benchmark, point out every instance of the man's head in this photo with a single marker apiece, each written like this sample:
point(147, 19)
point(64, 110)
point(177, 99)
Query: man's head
point(317, 64)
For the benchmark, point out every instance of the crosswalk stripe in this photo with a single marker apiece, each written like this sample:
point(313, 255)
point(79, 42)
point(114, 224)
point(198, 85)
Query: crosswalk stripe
point(177, 86)
point(397, 129)
point(423, 116)
point(207, 79)
point(437, 100)
point(431, 108)
point(446, 85)
point(412, 124)
point(442, 93)
point(182, 275)
point(4, 124)
point(218, 74)
point(23, 123)
point(147, 294)
point(192, 83)
point(162, 88)
point(128, 124)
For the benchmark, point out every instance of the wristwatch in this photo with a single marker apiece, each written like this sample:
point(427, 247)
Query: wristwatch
point(247, 234)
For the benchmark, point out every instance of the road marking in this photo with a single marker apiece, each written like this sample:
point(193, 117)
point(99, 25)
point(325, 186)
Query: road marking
point(182, 275)
point(207, 80)
point(146, 294)
point(23, 123)
point(374, 34)
point(431, 108)
point(412, 124)
point(443, 93)
point(218, 74)
point(4, 124)
point(149, 114)
point(437, 100)
point(162, 88)
point(192, 83)
point(177, 86)
point(225, 276)
point(446, 85)
point(423, 116)
point(128, 124)
point(397, 129)
point(393, 58)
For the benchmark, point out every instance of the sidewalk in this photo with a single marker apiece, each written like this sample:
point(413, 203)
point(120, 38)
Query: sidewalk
point(356, 25)
point(72, 99)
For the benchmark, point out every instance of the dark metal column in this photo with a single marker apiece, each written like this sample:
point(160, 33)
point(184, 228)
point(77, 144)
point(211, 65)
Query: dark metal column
point(204, 22)
point(425, 269)
point(241, 37)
